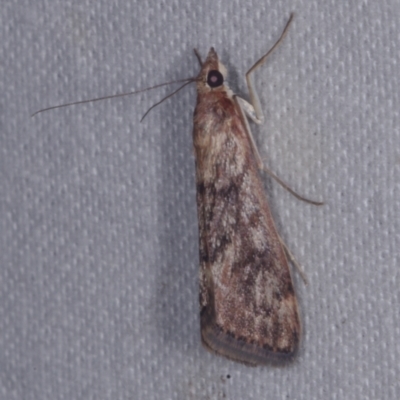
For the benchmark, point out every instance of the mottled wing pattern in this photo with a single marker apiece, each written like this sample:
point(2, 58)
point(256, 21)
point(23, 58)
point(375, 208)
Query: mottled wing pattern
point(249, 310)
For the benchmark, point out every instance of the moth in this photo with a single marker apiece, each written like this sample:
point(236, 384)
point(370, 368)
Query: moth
point(248, 306)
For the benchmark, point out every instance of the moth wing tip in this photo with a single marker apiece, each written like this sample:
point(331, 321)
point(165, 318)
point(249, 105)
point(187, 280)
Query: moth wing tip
point(240, 350)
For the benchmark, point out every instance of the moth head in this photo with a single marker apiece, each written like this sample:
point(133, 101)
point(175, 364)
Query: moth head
point(212, 75)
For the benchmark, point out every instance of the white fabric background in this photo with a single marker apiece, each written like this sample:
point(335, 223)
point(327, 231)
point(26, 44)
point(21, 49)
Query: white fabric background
point(99, 252)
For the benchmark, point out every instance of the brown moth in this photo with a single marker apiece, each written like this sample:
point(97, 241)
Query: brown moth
point(249, 309)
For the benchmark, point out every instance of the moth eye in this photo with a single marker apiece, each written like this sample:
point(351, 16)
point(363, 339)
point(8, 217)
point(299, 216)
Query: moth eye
point(215, 78)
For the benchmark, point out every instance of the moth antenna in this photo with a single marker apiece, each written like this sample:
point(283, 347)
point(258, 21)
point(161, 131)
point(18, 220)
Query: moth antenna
point(112, 96)
point(167, 97)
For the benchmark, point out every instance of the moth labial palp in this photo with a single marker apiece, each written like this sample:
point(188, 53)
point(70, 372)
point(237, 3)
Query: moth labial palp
point(249, 311)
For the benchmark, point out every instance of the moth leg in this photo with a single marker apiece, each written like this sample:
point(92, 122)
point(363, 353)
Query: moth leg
point(248, 110)
point(253, 109)
point(293, 260)
point(249, 78)
point(291, 191)
point(254, 112)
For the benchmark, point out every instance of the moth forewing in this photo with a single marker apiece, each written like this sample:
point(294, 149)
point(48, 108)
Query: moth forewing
point(249, 310)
